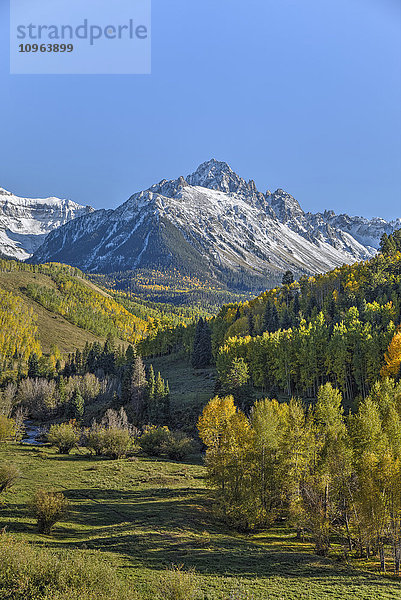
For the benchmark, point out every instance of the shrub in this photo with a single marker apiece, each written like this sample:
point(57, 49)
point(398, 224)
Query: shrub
point(94, 439)
point(7, 428)
point(180, 446)
point(113, 442)
point(7, 399)
point(65, 436)
point(31, 573)
point(8, 476)
point(116, 443)
point(154, 440)
point(177, 584)
point(48, 508)
point(159, 441)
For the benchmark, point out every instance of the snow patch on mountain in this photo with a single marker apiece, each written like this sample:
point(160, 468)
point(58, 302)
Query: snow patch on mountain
point(25, 222)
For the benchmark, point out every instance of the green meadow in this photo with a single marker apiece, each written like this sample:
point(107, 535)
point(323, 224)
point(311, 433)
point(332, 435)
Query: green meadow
point(143, 515)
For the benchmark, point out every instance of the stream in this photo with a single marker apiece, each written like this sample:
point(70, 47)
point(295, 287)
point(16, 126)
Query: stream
point(32, 433)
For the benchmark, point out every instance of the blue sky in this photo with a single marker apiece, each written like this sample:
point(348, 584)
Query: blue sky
point(300, 95)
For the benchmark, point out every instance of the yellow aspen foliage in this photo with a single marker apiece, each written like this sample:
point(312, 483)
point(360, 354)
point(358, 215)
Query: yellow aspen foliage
point(392, 357)
point(18, 331)
point(213, 422)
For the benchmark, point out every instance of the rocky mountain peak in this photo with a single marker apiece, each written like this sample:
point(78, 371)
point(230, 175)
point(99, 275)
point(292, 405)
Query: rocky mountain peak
point(218, 175)
point(285, 206)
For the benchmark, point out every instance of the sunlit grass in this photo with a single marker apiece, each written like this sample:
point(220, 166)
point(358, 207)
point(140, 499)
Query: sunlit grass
point(145, 514)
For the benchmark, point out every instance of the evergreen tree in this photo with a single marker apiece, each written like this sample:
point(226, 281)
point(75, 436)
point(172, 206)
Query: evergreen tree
point(107, 360)
point(251, 324)
point(166, 404)
point(78, 361)
point(129, 354)
point(33, 365)
point(134, 390)
point(387, 244)
point(160, 390)
point(202, 351)
point(150, 396)
point(288, 278)
point(270, 318)
point(78, 406)
point(92, 362)
point(285, 321)
point(61, 390)
point(296, 308)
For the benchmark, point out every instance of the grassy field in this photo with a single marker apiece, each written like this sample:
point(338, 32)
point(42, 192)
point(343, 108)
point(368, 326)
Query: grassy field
point(188, 386)
point(145, 514)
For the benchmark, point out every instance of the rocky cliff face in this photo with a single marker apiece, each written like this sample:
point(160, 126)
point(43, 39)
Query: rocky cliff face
point(25, 222)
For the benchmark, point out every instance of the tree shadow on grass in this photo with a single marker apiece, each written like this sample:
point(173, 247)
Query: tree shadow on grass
point(155, 528)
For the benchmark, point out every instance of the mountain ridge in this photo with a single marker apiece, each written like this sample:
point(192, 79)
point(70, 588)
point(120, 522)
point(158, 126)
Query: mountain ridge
point(216, 224)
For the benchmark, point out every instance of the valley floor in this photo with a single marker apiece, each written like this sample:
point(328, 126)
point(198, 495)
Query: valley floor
point(145, 514)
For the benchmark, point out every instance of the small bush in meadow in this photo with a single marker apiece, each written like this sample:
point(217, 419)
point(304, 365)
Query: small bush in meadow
point(8, 476)
point(113, 442)
point(178, 584)
point(48, 507)
point(154, 440)
point(94, 439)
point(30, 573)
point(116, 443)
point(159, 441)
point(180, 446)
point(65, 436)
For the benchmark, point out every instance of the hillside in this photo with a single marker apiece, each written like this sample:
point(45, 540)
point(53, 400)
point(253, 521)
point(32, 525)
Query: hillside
point(217, 227)
point(68, 310)
point(53, 329)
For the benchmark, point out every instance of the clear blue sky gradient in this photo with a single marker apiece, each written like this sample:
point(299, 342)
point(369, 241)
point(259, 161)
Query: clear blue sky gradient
point(303, 95)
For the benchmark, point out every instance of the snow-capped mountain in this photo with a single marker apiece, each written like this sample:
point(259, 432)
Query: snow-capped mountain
point(215, 224)
point(25, 222)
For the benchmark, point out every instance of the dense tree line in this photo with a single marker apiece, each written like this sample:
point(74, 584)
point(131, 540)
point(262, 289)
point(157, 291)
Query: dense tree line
point(180, 292)
point(297, 360)
point(327, 328)
point(329, 474)
point(104, 375)
point(333, 328)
